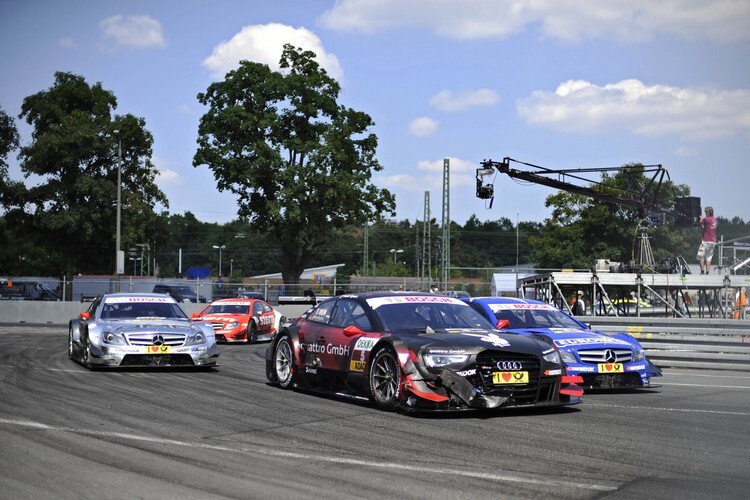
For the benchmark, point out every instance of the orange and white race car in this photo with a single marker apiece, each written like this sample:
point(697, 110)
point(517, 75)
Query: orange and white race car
point(241, 320)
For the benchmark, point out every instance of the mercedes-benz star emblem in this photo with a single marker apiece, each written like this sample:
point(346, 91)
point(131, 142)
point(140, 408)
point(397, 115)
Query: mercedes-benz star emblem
point(610, 356)
point(158, 340)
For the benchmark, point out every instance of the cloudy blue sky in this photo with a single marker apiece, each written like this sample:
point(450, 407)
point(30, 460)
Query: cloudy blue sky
point(557, 83)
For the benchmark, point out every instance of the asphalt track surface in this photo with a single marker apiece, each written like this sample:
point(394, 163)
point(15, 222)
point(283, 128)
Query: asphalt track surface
point(66, 432)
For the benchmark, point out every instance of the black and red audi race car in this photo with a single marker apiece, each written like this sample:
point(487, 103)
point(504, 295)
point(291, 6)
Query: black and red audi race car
point(418, 352)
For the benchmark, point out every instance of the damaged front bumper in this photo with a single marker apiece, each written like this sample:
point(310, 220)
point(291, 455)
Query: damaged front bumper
point(451, 391)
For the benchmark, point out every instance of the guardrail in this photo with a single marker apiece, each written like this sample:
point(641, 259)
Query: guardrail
point(715, 344)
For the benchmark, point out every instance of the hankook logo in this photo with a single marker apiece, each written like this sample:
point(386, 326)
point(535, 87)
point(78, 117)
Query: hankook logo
point(509, 365)
point(610, 356)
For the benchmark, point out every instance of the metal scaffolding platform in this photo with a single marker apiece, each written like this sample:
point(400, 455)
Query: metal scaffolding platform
point(638, 294)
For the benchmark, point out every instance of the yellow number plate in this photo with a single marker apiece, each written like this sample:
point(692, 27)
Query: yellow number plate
point(510, 378)
point(357, 366)
point(158, 349)
point(611, 368)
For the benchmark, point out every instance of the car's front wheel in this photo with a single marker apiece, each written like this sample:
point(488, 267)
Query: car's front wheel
point(283, 359)
point(385, 379)
point(252, 332)
point(71, 352)
point(86, 360)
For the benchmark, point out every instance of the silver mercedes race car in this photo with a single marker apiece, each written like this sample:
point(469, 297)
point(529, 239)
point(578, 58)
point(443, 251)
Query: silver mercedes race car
point(140, 329)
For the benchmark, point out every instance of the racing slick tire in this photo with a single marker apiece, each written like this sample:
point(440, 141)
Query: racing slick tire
point(252, 332)
point(385, 379)
point(71, 349)
point(86, 356)
point(283, 362)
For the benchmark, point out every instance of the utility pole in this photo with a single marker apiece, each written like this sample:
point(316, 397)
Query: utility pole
point(446, 245)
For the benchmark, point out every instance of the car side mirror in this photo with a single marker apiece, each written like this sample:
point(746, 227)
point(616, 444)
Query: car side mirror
point(351, 331)
point(85, 315)
point(502, 324)
point(196, 317)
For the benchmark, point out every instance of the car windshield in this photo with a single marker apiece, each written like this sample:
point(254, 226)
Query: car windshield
point(420, 312)
point(533, 316)
point(120, 310)
point(227, 309)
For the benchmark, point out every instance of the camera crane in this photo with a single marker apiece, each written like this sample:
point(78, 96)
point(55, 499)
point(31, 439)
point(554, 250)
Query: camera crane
point(643, 197)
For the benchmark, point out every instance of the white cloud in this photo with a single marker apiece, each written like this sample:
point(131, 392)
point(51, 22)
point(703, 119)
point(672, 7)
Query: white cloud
point(132, 31)
point(429, 176)
point(67, 42)
point(447, 100)
point(632, 106)
point(625, 20)
point(685, 152)
point(423, 127)
point(264, 44)
point(169, 177)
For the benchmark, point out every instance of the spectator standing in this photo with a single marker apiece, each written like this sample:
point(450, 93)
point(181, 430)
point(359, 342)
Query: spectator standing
point(579, 304)
point(740, 303)
point(708, 240)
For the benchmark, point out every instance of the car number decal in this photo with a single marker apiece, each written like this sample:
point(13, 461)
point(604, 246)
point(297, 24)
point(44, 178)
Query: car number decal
point(500, 378)
point(158, 349)
point(610, 368)
point(357, 366)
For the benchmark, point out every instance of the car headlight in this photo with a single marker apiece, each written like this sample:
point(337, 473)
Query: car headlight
point(552, 357)
point(195, 339)
point(638, 354)
point(232, 325)
point(568, 356)
point(113, 338)
point(441, 360)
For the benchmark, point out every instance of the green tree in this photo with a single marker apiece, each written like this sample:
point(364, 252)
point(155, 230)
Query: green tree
point(299, 162)
point(70, 211)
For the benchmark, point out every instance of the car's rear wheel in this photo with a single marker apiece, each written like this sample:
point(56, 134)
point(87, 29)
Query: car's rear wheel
point(252, 332)
point(283, 359)
point(385, 379)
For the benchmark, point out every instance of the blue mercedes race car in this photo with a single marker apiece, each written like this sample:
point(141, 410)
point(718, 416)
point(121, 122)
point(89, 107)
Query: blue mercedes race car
point(604, 361)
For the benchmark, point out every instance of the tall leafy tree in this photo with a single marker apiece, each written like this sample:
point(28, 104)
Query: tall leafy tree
point(71, 205)
point(299, 162)
point(9, 141)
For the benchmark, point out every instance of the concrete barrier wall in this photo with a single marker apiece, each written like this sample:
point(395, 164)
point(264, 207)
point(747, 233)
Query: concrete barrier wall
point(16, 312)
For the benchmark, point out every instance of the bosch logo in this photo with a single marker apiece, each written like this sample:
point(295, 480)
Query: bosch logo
point(509, 365)
point(610, 356)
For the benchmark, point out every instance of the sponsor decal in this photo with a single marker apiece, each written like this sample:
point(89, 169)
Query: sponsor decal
point(467, 373)
point(500, 378)
point(128, 300)
point(336, 350)
point(158, 349)
point(445, 351)
point(610, 368)
point(553, 372)
point(376, 302)
point(582, 369)
point(635, 368)
point(365, 344)
point(266, 320)
point(313, 371)
point(589, 340)
point(511, 307)
point(492, 338)
point(357, 366)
